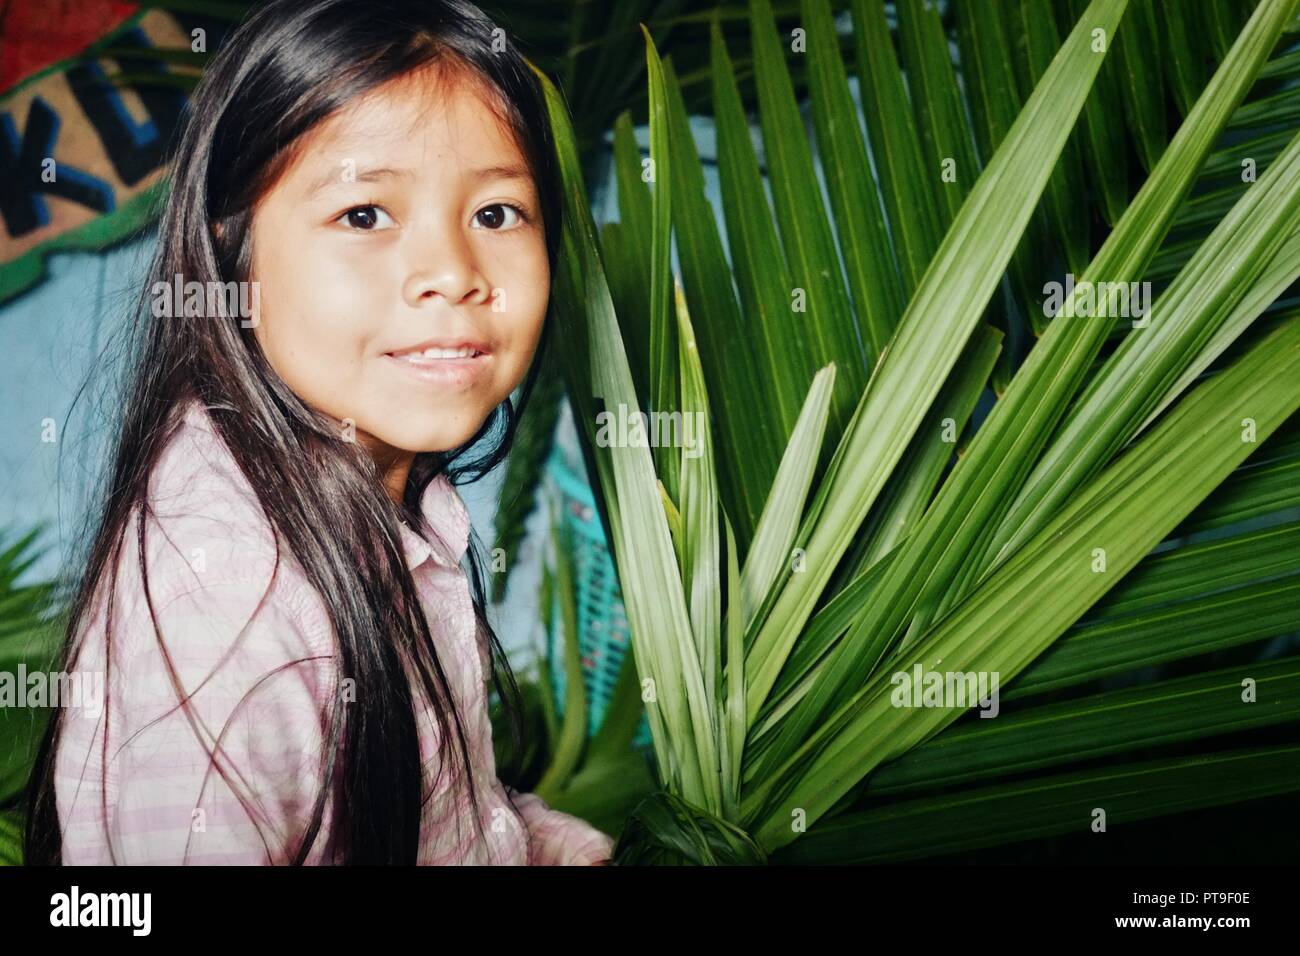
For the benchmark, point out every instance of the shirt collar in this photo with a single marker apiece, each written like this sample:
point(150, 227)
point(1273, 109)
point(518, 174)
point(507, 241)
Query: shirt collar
point(440, 505)
point(445, 513)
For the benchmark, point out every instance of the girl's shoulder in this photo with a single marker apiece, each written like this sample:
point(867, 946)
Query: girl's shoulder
point(206, 534)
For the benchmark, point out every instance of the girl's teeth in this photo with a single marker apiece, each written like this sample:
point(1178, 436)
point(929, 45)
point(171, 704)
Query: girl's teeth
point(436, 353)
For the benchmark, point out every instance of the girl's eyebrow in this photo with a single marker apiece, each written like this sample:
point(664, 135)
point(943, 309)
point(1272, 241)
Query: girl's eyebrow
point(333, 177)
point(484, 173)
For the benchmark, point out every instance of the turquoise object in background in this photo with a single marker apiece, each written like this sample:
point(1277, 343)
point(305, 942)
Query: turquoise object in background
point(603, 635)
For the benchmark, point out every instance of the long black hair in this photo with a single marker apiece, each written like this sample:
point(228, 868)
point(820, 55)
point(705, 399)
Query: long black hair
point(290, 65)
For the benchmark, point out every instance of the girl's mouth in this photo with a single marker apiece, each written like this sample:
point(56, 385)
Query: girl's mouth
point(456, 367)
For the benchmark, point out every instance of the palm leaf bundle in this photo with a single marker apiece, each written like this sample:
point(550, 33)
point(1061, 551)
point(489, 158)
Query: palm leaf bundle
point(842, 517)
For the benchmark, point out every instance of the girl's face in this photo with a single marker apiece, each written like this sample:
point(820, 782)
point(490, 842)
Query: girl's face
point(402, 267)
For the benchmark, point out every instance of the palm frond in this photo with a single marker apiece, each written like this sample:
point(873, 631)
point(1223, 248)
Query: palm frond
point(1053, 549)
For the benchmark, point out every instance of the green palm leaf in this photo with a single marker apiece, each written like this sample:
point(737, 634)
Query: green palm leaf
point(1050, 549)
point(31, 632)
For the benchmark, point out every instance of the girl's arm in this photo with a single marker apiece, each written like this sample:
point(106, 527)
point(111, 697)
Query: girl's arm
point(559, 839)
point(257, 678)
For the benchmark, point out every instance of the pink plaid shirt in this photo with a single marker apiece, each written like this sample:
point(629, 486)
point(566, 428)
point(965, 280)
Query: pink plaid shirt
point(261, 676)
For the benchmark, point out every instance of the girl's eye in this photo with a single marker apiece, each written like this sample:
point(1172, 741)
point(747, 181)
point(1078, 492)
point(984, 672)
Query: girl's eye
point(497, 216)
point(366, 218)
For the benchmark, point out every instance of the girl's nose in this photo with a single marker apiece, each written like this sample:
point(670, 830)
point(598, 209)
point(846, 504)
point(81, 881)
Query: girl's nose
point(445, 265)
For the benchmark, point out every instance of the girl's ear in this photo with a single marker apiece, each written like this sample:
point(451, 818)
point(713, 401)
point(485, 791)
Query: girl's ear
point(216, 229)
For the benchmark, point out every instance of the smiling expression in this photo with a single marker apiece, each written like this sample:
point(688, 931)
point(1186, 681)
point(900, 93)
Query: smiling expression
point(402, 265)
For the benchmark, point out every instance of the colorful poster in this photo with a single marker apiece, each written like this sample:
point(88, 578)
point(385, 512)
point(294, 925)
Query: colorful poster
point(93, 93)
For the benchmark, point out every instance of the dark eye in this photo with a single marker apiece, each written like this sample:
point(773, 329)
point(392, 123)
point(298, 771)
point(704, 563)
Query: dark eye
point(366, 218)
point(497, 216)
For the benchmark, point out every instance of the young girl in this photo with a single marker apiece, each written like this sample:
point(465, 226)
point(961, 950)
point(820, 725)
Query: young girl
point(294, 666)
